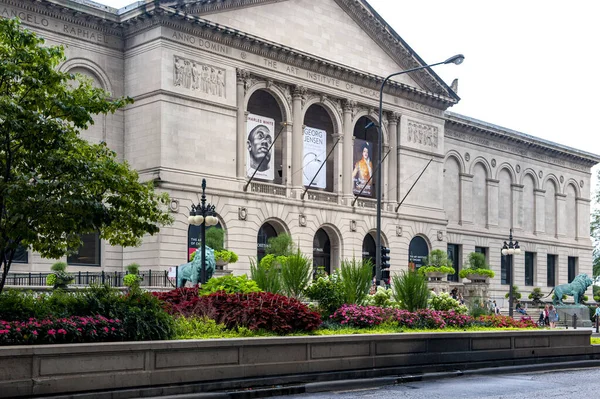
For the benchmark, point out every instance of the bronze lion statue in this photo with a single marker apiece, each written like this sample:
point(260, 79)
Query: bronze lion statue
point(575, 288)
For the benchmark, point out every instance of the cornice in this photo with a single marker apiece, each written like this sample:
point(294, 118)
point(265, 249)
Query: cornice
point(492, 136)
point(70, 12)
point(201, 7)
point(186, 23)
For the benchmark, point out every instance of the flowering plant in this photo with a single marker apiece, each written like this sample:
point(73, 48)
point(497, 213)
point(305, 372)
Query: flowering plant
point(361, 316)
point(75, 329)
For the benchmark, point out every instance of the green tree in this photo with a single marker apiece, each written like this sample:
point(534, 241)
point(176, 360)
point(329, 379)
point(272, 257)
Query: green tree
point(53, 184)
point(595, 227)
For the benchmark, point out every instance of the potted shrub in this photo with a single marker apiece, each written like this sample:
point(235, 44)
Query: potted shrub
point(59, 278)
point(215, 238)
point(438, 266)
point(132, 279)
point(476, 269)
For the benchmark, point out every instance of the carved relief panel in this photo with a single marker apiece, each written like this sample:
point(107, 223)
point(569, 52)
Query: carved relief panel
point(197, 76)
point(203, 79)
point(421, 135)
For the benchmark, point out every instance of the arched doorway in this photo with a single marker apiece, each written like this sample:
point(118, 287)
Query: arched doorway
point(318, 142)
point(364, 157)
point(322, 251)
point(418, 251)
point(369, 250)
point(262, 125)
point(194, 238)
point(266, 231)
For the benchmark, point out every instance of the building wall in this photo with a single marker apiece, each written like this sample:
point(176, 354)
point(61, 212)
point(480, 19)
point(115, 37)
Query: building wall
point(474, 188)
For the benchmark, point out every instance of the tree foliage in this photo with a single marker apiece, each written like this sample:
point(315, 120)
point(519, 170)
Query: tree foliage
point(53, 184)
point(595, 227)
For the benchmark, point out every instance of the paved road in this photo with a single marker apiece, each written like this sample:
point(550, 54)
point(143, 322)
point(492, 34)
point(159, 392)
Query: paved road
point(579, 383)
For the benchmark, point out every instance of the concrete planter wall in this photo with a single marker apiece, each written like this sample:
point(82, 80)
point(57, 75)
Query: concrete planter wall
point(53, 369)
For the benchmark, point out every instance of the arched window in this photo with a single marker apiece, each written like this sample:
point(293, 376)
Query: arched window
point(418, 250)
point(265, 232)
point(318, 142)
point(369, 250)
point(452, 190)
point(364, 158)
point(322, 251)
point(262, 125)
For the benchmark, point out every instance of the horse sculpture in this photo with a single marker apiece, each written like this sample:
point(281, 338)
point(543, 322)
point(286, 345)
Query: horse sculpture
point(191, 271)
point(575, 288)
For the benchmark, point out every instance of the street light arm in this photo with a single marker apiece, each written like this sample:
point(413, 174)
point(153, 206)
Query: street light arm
point(457, 59)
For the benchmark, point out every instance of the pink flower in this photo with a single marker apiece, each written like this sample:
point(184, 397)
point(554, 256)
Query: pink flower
point(105, 329)
point(35, 332)
point(62, 331)
point(52, 332)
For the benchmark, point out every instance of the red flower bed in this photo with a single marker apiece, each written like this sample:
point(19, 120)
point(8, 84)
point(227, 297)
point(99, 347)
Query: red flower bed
point(257, 310)
point(74, 329)
point(507, 321)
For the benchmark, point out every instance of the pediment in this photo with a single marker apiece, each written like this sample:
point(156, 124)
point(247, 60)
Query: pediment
point(346, 32)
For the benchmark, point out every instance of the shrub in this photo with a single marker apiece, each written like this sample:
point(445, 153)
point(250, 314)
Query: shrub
point(506, 321)
point(255, 311)
point(75, 329)
point(131, 280)
point(214, 238)
point(437, 261)
point(281, 245)
point(133, 268)
point(355, 280)
point(143, 317)
point(327, 290)
point(536, 295)
point(435, 269)
point(360, 316)
point(516, 293)
point(59, 267)
point(198, 327)
point(229, 284)
point(476, 264)
point(51, 279)
point(267, 274)
point(410, 290)
point(445, 302)
point(226, 256)
point(295, 274)
point(383, 298)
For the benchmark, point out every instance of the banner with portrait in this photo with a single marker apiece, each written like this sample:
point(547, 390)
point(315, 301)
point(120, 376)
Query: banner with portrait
point(315, 152)
point(260, 134)
point(363, 168)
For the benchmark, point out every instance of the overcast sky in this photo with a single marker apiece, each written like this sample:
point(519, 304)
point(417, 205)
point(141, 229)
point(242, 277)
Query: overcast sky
point(530, 66)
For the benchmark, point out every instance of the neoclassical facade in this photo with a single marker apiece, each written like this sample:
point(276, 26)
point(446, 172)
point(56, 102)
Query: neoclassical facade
point(306, 74)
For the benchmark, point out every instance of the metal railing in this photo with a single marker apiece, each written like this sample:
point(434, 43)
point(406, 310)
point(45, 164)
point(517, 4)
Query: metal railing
point(150, 278)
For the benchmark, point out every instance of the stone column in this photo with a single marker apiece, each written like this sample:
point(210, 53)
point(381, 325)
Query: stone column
point(517, 206)
point(466, 201)
point(297, 134)
point(348, 148)
point(240, 153)
point(493, 187)
point(393, 185)
point(540, 210)
point(338, 173)
point(287, 155)
point(561, 209)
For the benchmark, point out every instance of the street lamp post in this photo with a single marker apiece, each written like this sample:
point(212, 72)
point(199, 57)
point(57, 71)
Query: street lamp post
point(457, 59)
point(203, 215)
point(509, 250)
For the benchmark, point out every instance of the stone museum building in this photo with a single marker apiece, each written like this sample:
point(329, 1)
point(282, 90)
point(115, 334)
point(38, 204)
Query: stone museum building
point(275, 104)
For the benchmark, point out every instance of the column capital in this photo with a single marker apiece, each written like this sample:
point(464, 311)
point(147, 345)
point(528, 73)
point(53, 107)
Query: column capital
point(348, 105)
point(393, 117)
point(299, 92)
point(241, 75)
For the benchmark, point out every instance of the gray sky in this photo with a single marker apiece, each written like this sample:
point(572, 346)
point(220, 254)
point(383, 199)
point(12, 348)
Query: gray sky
point(530, 65)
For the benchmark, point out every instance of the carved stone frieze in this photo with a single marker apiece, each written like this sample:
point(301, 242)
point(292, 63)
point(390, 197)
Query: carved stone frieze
point(200, 77)
point(423, 134)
